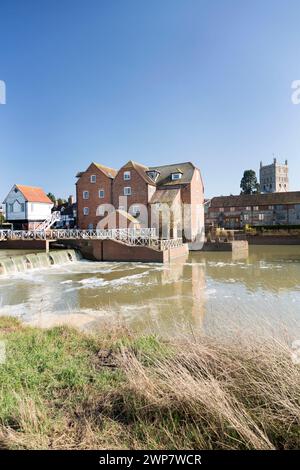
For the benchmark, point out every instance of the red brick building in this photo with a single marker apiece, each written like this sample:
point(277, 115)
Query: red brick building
point(145, 193)
point(94, 187)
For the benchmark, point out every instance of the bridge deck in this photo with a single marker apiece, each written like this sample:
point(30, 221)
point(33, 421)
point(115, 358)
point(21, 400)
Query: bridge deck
point(130, 236)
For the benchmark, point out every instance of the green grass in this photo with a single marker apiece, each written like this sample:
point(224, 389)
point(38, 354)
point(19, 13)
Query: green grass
point(62, 389)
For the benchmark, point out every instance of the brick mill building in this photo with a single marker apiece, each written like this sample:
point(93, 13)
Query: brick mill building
point(234, 212)
point(135, 187)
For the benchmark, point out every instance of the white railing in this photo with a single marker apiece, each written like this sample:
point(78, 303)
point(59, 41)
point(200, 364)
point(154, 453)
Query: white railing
point(74, 234)
point(51, 220)
point(170, 243)
point(130, 236)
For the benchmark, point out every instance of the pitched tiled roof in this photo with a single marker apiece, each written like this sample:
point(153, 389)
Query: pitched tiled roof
point(33, 194)
point(164, 196)
point(141, 170)
point(291, 197)
point(110, 172)
point(164, 179)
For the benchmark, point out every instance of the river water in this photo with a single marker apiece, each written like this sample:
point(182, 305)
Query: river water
point(207, 292)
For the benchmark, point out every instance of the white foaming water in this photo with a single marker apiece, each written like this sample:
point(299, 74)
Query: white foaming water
point(17, 264)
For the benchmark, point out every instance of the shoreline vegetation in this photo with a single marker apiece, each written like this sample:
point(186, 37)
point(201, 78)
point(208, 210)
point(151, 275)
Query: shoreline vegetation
point(64, 389)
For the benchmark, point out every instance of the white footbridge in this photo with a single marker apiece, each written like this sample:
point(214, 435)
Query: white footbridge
point(129, 236)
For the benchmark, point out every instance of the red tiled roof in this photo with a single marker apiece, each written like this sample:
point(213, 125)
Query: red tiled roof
point(33, 194)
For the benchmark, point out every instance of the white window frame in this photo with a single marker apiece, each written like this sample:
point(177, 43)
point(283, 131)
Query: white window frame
point(246, 217)
point(135, 209)
point(176, 176)
point(93, 178)
point(256, 208)
point(261, 217)
point(127, 191)
point(85, 194)
point(99, 193)
point(86, 211)
point(127, 175)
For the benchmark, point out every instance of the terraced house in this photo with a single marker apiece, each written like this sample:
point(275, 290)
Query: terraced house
point(234, 212)
point(134, 187)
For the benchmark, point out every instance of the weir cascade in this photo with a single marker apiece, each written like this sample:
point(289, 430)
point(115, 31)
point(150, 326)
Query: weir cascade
point(21, 263)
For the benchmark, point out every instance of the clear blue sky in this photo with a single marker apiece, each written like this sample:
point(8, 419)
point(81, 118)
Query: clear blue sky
point(155, 81)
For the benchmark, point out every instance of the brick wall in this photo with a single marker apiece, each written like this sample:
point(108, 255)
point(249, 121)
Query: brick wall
point(139, 188)
point(84, 184)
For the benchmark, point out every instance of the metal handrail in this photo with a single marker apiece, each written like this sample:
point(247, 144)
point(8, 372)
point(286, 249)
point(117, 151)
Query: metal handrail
point(130, 236)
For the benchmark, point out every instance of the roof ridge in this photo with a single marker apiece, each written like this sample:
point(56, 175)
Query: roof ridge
point(173, 164)
point(104, 166)
point(28, 186)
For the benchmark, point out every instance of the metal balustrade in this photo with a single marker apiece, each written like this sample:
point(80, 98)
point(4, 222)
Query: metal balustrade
point(129, 236)
point(51, 220)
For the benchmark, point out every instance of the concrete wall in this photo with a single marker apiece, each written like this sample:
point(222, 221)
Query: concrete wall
point(237, 246)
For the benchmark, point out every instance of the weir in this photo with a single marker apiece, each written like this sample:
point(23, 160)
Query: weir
point(22, 263)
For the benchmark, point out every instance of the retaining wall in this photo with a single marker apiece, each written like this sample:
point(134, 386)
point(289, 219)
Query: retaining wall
point(110, 250)
point(273, 240)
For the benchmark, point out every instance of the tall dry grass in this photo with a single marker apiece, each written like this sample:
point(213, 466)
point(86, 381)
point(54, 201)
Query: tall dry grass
point(186, 393)
point(231, 396)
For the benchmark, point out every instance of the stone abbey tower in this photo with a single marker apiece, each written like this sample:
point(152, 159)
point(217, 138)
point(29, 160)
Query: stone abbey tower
point(274, 178)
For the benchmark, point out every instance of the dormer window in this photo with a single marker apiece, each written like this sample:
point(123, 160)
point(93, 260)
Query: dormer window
point(153, 174)
point(127, 175)
point(176, 176)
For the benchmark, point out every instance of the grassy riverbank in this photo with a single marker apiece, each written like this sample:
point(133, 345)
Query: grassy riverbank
point(61, 389)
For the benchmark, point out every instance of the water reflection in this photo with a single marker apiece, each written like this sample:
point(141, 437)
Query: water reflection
point(269, 268)
point(205, 292)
